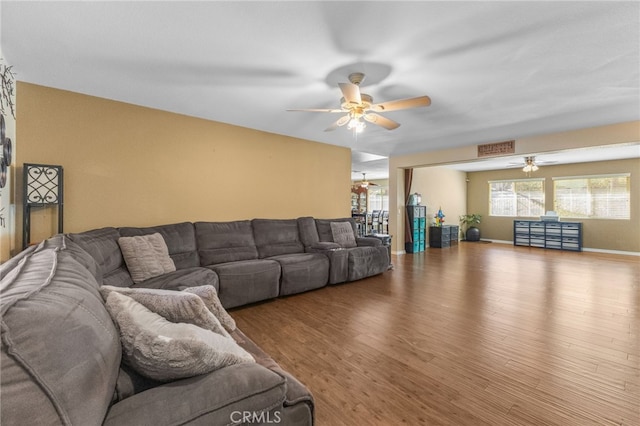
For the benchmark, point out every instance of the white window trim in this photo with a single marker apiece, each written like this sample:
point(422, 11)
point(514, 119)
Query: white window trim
point(592, 176)
point(598, 176)
point(517, 180)
point(543, 180)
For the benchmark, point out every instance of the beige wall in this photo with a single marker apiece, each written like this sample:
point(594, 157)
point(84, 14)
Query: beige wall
point(619, 235)
point(441, 187)
point(591, 137)
point(130, 165)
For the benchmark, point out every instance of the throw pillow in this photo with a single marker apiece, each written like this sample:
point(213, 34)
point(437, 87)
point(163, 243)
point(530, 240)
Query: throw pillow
point(165, 351)
point(146, 256)
point(176, 306)
point(343, 234)
point(209, 295)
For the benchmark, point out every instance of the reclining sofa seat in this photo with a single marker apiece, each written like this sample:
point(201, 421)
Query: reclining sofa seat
point(102, 245)
point(229, 249)
point(369, 258)
point(279, 240)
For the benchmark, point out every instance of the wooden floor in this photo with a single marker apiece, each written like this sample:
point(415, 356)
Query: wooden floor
point(478, 334)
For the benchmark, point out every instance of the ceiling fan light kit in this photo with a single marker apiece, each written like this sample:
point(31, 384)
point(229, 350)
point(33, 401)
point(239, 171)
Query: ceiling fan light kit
point(530, 165)
point(364, 183)
point(359, 106)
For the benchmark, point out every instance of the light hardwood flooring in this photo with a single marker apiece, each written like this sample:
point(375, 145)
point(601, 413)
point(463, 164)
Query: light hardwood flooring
point(475, 334)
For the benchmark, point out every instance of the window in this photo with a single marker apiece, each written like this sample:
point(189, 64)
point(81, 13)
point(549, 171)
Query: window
point(522, 197)
point(596, 197)
point(378, 198)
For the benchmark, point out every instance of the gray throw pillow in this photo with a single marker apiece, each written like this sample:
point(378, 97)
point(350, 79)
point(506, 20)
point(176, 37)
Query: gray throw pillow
point(209, 296)
point(176, 306)
point(146, 256)
point(165, 351)
point(343, 234)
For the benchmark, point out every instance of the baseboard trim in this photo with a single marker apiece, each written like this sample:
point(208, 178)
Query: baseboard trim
point(625, 253)
point(499, 241)
point(594, 250)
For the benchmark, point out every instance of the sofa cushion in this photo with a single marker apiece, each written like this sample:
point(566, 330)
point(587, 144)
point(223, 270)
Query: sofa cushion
point(163, 350)
point(130, 382)
point(324, 228)
point(179, 237)
point(308, 231)
point(247, 281)
point(180, 279)
point(203, 400)
point(367, 261)
point(146, 256)
point(343, 234)
point(63, 242)
point(102, 245)
point(302, 272)
point(221, 242)
point(276, 236)
point(60, 349)
point(176, 306)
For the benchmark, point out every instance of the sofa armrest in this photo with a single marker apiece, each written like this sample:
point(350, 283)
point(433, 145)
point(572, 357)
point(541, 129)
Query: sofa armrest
point(213, 398)
point(368, 241)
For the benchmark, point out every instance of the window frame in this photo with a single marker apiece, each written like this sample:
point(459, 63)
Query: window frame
point(542, 180)
point(591, 201)
point(373, 193)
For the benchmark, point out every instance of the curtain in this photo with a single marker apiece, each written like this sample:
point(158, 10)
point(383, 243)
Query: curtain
point(408, 179)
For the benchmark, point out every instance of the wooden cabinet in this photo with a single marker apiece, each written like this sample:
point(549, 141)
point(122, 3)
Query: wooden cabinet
point(545, 234)
point(418, 228)
point(443, 236)
point(359, 198)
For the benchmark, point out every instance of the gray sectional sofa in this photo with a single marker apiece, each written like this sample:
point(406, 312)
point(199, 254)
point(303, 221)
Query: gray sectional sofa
point(61, 352)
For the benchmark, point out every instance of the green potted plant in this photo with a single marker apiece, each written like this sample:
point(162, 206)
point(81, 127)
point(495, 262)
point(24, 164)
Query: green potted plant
point(469, 221)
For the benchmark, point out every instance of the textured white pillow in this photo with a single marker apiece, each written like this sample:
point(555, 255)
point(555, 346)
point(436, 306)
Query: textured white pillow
point(343, 234)
point(163, 350)
point(176, 306)
point(146, 256)
point(209, 296)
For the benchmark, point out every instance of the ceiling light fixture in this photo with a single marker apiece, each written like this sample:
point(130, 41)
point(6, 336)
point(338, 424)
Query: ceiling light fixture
point(530, 165)
point(364, 183)
point(356, 125)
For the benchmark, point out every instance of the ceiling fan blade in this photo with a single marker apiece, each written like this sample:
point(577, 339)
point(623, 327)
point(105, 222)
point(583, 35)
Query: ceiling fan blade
point(421, 101)
point(351, 93)
point(341, 122)
point(317, 110)
point(381, 121)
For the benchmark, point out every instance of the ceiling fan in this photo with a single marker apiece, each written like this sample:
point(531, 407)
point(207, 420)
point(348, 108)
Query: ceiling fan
point(530, 164)
point(364, 183)
point(357, 106)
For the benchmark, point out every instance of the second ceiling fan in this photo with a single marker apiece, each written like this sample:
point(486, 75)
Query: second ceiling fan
point(358, 106)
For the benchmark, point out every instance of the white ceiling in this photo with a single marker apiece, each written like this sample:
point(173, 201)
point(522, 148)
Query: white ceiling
point(494, 70)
